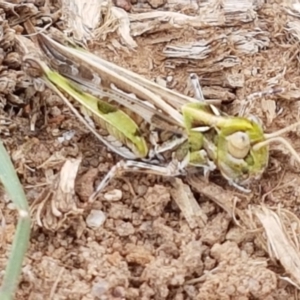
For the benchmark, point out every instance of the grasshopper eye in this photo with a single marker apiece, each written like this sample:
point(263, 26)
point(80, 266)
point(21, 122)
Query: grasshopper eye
point(238, 144)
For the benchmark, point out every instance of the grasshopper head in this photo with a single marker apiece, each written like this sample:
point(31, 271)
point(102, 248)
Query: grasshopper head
point(243, 149)
point(237, 158)
point(238, 145)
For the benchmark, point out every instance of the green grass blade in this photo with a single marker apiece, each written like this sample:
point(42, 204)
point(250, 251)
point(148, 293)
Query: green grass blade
point(12, 185)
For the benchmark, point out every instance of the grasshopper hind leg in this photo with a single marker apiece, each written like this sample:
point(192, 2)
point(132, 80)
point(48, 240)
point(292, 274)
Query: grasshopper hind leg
point(174, 168)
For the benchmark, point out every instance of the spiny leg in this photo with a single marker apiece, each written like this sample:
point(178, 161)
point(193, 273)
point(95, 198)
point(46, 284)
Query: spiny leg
point(14, 188)
point(174, 168)
point(249, 101)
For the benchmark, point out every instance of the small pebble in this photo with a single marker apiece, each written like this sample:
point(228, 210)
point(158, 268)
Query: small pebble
point(55, 132)
point(169, 78)
point(55, 111)
point(119, 292)
point(114, 195)
point(95, 219)
point(160, 81)
point(125, 229)
point(67, 136)
point(100, 288)
point(142, 190)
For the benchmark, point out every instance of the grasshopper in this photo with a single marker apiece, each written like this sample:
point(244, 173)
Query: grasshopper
point(154, 129)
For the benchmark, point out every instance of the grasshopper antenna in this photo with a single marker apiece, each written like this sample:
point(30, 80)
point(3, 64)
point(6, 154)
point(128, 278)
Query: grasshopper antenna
point(276, 137)
point(282, 131)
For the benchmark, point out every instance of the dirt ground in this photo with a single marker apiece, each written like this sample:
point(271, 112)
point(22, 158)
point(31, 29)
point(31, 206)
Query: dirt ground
point(134, 242)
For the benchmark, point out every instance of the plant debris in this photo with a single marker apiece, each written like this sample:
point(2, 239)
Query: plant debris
point(147, 237)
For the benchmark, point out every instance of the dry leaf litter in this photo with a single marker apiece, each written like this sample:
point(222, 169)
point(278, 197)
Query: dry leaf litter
point(148, 237)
